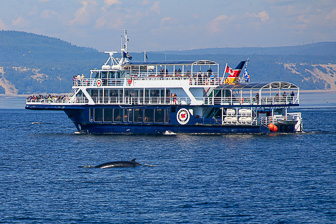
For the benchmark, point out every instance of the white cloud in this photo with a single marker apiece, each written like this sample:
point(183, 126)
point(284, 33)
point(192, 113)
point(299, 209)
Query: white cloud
point(165, 19)
point(332, 15)
point(221, 18)
point(156, 7)
point(109, 3)
point(303, 19)
point(215, 25)
point(82, 15)
point(47, 14)
point(2, 25)
point(168, 20)
point(263, 16)
point(145, 2)
point(118, 23)
point(100, 22)
point(19, 21)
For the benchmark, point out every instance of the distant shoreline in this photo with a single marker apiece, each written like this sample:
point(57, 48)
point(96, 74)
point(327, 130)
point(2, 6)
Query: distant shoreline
point(318, 91)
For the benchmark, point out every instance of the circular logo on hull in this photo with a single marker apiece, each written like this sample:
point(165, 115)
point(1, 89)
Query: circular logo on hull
point(183, 116)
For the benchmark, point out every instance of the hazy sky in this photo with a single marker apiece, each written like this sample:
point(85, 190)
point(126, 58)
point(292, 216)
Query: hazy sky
point(174, 24)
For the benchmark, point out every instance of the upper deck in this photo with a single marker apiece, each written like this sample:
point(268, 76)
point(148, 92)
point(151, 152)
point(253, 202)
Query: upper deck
point(177, 73)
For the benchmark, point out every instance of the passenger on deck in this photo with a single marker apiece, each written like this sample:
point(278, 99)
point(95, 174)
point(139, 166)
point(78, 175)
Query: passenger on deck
point(292, 96)
point(284, 97)
point(210, 72)
point(78, 79)
point(74, 80)
point(276, 98)
point(188, 73)
point(257, 98)
point(199, 78)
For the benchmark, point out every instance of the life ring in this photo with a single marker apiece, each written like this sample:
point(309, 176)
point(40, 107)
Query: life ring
point(241, 100)
point(99, 82)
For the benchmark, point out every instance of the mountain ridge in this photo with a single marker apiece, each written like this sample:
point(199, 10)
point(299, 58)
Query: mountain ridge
point(319, 48)
point(31, 63)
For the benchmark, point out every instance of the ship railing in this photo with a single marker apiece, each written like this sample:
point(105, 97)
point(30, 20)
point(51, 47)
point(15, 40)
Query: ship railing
point(275, 118)
point(249, 100)
point(48, 99)
point(294, 116)
point(142, 100)
point(177, 74)
point(153, 100)
point(99, 82)
point(195, 81)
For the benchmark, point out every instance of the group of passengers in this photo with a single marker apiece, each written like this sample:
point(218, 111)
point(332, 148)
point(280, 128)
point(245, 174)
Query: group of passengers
point(204, 78)
point(178, 73)
point(77, 79)
point(284, 97)
point(173, 97)
point(48, 98)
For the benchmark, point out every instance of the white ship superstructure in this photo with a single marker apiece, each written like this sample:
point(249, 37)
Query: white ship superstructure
point(125, 97)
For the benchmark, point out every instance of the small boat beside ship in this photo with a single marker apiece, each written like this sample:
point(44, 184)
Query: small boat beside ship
point(125, 97)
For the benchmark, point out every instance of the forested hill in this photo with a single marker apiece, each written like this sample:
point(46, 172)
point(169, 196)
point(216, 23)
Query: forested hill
point(31, 63)
point(314, 49)
point(28, 48)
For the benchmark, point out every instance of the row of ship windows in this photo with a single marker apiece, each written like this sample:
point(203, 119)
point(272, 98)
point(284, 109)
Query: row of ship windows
point(137, 115)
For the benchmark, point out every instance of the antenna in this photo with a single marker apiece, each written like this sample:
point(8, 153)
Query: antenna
point(113, 61)
point(125, 40)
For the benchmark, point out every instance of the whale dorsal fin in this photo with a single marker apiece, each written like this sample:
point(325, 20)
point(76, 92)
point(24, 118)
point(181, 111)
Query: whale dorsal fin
point(133, 160)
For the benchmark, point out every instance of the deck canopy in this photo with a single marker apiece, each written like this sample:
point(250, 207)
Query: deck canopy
point(268, 93)
point(173, 68)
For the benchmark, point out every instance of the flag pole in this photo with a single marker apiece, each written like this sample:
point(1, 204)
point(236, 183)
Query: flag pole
point(224, 72)
point(247, 60)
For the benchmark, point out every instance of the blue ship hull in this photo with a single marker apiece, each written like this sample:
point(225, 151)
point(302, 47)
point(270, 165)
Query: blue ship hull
point(85, 122)
point(168, 129)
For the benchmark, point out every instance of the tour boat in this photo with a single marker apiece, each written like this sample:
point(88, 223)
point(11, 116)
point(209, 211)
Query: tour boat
point(171, 97)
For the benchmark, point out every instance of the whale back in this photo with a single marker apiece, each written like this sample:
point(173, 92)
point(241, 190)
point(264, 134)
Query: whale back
point(118, 164)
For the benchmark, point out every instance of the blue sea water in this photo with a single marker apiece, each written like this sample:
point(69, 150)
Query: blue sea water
point(279, 178)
